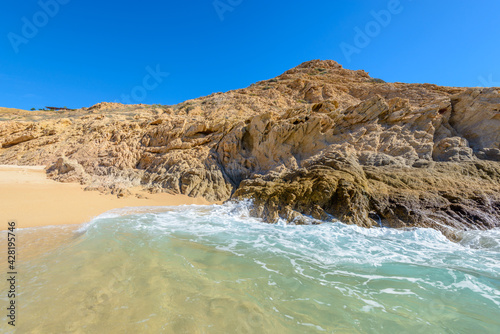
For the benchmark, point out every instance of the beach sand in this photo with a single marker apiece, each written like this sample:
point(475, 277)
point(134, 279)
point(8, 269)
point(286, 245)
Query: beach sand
point(32, 200)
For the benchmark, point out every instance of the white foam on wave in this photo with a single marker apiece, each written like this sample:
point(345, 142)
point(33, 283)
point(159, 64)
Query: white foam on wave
point(476, 239)
point(234, 217)
point(303, 273)
point(320, 252)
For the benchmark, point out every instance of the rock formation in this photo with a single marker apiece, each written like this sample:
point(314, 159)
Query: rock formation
point(318, 141)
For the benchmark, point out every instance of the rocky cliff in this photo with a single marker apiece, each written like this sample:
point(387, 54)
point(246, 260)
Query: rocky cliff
point(318, 141)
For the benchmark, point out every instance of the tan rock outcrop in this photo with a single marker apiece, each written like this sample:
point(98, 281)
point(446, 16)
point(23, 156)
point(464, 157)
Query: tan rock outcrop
point(319, 141)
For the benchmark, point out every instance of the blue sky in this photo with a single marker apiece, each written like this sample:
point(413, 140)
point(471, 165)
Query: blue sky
point(79, 53)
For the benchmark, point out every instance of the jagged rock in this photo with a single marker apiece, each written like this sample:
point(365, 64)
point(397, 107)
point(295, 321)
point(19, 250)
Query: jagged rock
point(489, 154)
point(67, 170)
point(453, 149)
point(319, 141)
point(476, 117)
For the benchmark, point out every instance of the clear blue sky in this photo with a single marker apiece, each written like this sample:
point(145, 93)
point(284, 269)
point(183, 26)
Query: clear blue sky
point(90, 51)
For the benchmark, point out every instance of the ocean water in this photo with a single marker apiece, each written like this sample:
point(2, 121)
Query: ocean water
point(214, 269)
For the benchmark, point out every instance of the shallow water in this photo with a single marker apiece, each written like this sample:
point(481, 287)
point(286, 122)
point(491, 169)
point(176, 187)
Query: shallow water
point(212, 269)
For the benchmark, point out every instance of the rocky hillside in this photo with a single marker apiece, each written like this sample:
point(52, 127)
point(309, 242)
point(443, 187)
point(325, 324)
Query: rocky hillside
point(318, 140)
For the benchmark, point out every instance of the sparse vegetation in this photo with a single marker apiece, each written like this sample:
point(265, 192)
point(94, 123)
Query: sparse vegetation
point(163, 107)
point(33, 109)
point(377, 80)
point(319, 71)
point(186, 106)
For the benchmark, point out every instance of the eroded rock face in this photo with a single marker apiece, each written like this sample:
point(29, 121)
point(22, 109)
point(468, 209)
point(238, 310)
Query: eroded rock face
point(453, 149)
point(318, 141)
point(439, 196)
point(66, 170)
point(476, 117)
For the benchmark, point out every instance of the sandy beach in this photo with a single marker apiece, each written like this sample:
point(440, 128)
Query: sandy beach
point(29, 198)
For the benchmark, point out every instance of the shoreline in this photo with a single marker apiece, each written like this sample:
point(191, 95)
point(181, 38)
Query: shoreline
point(28, 197)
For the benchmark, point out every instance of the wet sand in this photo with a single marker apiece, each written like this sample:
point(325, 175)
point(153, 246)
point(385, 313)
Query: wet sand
point(30, 199)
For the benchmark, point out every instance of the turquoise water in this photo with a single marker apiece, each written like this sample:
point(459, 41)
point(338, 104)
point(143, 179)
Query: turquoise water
point(213, 269)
